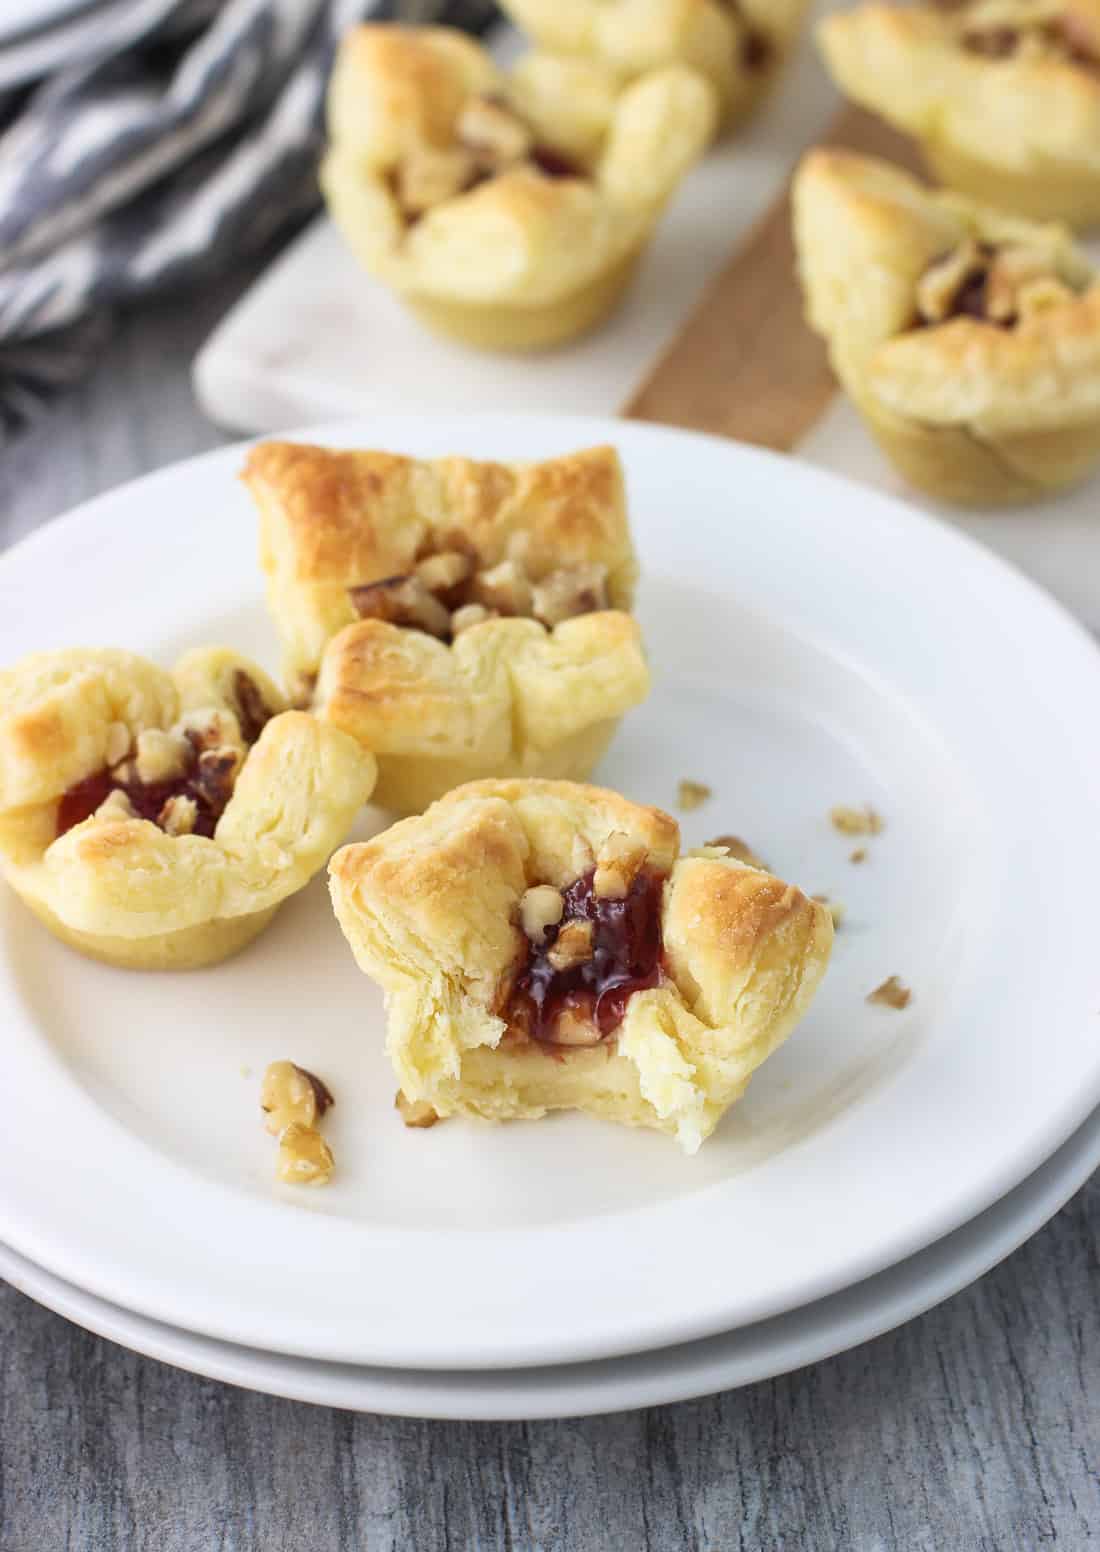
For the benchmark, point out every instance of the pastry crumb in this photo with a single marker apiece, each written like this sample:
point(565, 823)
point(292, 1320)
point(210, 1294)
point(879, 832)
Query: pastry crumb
point(415, 1112)
point(893, 993)
point(739, 850)
point(855, 821)
point(858, 855)
point(691, 795)
point(835, 909)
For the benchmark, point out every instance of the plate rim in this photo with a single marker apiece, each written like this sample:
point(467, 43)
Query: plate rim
point(670, 1328)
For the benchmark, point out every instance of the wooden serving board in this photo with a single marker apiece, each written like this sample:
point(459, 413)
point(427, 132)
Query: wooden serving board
point(744, 364)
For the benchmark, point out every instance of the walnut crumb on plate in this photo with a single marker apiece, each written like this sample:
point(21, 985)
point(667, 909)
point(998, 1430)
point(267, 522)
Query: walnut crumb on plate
point(856, 821)
point(893, 993)
point(691, 795)
point(858, 855)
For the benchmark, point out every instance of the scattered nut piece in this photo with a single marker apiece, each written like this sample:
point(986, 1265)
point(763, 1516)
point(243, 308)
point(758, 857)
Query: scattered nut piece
point(1039, 296)
point(305, 1158)
point(858, 855)
point(691, 795)
point(574, 1029)
point(415, 1112)
point(572, 946)
point(470, 614)
point(856, 821)
point(492, 130)
point(209, 728)
point(944, 278)
point(618, 863)
point(289, 1093)
point(504, 588)
point(834, 908)
point(178, 815)
point(116, 805)
point(439, 573)
point(1010, 269)
point(118, 743)
point(740, 851)
point(568, 592)
point(893, 993)
point(540, 907)
point(160, 756)
point(402, 601)
point(216, 775)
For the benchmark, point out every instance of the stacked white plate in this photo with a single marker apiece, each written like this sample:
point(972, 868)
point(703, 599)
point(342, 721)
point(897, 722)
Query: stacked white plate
point(813, 644)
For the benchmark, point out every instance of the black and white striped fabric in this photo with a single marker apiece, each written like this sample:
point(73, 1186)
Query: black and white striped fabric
point(147, 145)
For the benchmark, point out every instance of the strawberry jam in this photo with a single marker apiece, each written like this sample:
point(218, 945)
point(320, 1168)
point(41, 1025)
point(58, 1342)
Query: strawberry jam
point(626, 958)
point(203, 779)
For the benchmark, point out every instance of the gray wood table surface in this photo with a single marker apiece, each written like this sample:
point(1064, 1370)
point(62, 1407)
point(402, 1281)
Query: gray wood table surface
point(974, 1427)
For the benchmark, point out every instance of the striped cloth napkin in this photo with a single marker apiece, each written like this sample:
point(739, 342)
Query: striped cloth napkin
point(147, 145)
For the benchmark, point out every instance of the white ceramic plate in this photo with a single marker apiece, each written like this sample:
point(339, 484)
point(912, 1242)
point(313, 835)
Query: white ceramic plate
point(814, 644)
point(742, 1357)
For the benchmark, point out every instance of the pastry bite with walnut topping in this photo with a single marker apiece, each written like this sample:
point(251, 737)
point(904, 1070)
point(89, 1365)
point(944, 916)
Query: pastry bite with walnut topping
point(157, 820)
point(975, 354)
point(544, 946)
point(738, 45)
point(460, 619)
point(1003, 96)
point(509, 213)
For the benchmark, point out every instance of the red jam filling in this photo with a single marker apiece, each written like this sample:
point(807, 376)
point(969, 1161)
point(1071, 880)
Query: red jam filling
point(626, 958)
point(552, 164)
point(147, 799)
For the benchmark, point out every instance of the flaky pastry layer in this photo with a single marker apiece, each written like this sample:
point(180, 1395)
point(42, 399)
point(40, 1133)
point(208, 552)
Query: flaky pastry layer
point(431, 909)
point(123, 889)
point(1019, 130)
point(970, 411)
point(516, 243)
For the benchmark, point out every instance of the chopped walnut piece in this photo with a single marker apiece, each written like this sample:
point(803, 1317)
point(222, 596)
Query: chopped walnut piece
point(118, 743)
point(216, 775)
point(291, 1093)
point(178, 815)
point(618, 863)
point(415, 1112)
point(401, 601)
point(504, 588)
point(540, 907)
point(568, 592)
point(491, 130)
point(440, 573)
point(305, 1158)
point(572, 1028)
point(855, 821)
point(740, 851)
point(834, 908)
point(944, 279)
point(1040, 295)
point(893, 993)
point(253, 714)
point(572, 946)
point(116, 805)
point(160, 756)
point(429, 176)
point(470, 614)
point(858, 855)
point(1010, 269)
point(209, 728)
point(691, 795)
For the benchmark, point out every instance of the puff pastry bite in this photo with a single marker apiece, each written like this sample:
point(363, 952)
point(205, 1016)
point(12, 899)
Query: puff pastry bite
point(1002, 95)
point(969, 340)
point(542, 946)
point(509, 214)
point(157, 820)
point(739, 45)
point(460, 618)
